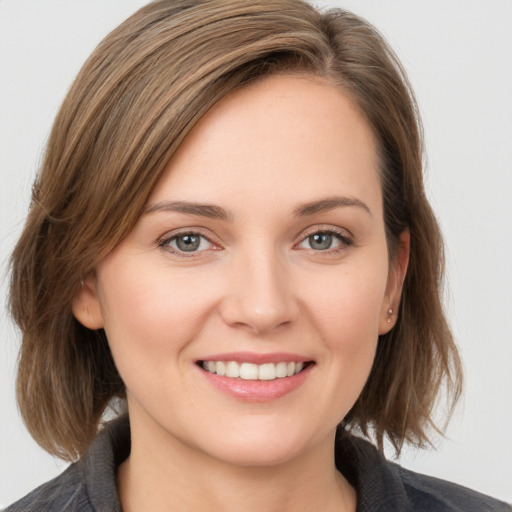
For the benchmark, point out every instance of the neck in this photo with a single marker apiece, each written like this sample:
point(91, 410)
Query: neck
point(166, 475)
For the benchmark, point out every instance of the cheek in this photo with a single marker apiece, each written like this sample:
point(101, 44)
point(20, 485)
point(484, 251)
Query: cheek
point(347, 304)
point(150, 314)
point(345, 308)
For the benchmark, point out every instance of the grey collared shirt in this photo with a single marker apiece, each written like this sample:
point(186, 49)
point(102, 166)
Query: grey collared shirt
point(90, 485)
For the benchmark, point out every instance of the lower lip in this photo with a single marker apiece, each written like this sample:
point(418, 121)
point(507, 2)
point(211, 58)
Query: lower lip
point(257, 390)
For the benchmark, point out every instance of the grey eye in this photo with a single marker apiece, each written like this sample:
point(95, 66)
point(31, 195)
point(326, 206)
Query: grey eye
point(320, 241)
point(188, 242)
point(324, 241)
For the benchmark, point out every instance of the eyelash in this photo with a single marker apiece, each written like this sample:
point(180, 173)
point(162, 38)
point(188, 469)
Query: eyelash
point(164, 243)
point(345, 240)
point(341, 236)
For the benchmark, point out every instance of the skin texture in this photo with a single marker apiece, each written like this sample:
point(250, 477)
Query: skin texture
point(256, 284)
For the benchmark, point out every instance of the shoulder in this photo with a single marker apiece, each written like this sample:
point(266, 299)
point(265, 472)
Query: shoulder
point(89, 485)
point(427, 494)
point(385, 486)
point(67, 492)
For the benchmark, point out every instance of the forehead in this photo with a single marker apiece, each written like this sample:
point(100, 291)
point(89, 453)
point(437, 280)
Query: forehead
point(290, 137)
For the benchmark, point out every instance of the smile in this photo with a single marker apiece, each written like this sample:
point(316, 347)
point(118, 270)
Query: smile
point(251, 371)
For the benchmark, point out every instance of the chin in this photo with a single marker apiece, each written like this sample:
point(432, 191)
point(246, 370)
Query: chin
point(263, 447)
point(258, 455)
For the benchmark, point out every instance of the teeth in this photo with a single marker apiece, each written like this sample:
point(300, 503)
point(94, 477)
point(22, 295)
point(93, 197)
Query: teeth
point(250, 371)
point(281, 370)
point(220, 368)
point(267, 371)
point(232, 369)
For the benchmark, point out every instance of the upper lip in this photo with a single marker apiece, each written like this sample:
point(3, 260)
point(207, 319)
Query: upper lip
point(257, 358)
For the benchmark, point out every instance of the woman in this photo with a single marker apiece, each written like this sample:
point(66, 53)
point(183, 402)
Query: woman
point(230, 231)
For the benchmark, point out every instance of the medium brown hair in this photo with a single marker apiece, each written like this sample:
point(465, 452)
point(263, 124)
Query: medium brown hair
point(135, 99)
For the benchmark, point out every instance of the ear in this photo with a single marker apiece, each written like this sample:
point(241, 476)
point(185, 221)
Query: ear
point(86, 305)
point(396, 276)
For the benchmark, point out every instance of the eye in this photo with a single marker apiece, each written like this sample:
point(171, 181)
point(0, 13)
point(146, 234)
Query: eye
point(186, 242)
point(320, 241)
point(325, 240)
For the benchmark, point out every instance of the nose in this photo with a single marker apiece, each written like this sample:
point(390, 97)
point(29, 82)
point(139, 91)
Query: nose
point(259, 295)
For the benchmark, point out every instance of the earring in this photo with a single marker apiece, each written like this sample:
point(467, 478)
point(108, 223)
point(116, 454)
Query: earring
point(390, 312)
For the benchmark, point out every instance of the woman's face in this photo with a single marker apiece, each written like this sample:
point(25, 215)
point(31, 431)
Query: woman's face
point(261, 251)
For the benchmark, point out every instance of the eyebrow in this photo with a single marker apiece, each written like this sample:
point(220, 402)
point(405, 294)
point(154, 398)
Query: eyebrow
point(216, 212)
point(329, 203)
point(203, 210)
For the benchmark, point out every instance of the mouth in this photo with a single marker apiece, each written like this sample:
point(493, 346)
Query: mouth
point(256, 377)
point(255, 372)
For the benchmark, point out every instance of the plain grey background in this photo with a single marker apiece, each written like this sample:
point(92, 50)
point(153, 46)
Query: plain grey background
point(458, 54)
